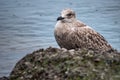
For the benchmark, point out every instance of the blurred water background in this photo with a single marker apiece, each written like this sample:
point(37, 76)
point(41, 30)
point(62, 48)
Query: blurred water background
point(27, 25)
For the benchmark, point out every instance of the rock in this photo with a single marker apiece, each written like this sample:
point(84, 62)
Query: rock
point(62, 64)
point(4, 78)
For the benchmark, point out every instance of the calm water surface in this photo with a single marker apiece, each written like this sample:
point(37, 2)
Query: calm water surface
point(27, 25)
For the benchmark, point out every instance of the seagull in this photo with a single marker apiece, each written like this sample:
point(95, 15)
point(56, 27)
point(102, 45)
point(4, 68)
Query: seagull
point(71, 33)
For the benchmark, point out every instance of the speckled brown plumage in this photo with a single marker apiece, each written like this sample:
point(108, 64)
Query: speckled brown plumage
point(71, 33)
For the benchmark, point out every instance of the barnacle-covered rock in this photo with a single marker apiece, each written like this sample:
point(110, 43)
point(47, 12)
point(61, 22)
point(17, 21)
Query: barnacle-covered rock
point(62, 64)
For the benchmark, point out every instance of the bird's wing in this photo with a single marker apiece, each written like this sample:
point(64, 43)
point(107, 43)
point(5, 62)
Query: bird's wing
point(89, 38)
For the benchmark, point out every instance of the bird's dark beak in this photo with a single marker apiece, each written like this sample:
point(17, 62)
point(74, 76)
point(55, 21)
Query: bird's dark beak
point(60, 18)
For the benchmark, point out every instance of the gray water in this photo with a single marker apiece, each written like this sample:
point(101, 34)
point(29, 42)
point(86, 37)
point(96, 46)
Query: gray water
point(27, 25)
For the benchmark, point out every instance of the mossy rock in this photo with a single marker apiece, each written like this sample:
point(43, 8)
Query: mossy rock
point(62, 64)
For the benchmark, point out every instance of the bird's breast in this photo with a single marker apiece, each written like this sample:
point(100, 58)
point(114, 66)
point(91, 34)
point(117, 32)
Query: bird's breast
point(62, 28)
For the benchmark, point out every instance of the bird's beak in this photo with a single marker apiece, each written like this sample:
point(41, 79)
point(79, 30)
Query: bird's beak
point(60, 18)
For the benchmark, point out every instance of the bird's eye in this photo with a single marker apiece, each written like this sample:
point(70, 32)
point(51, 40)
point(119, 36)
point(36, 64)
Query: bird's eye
point(69, 14)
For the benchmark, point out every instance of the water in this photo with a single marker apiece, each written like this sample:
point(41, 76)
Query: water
point(27, 25)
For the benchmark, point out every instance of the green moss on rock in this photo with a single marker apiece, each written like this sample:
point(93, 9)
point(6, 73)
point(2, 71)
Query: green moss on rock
point(62, 64)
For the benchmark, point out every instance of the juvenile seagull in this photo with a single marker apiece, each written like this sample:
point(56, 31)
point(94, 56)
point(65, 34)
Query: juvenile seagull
point(71, 33)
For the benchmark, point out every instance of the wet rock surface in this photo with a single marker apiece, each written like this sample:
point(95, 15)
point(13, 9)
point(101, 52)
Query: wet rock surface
point(62, 64)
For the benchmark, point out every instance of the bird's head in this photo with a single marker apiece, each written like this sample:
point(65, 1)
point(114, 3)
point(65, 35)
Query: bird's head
point(67, 15)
